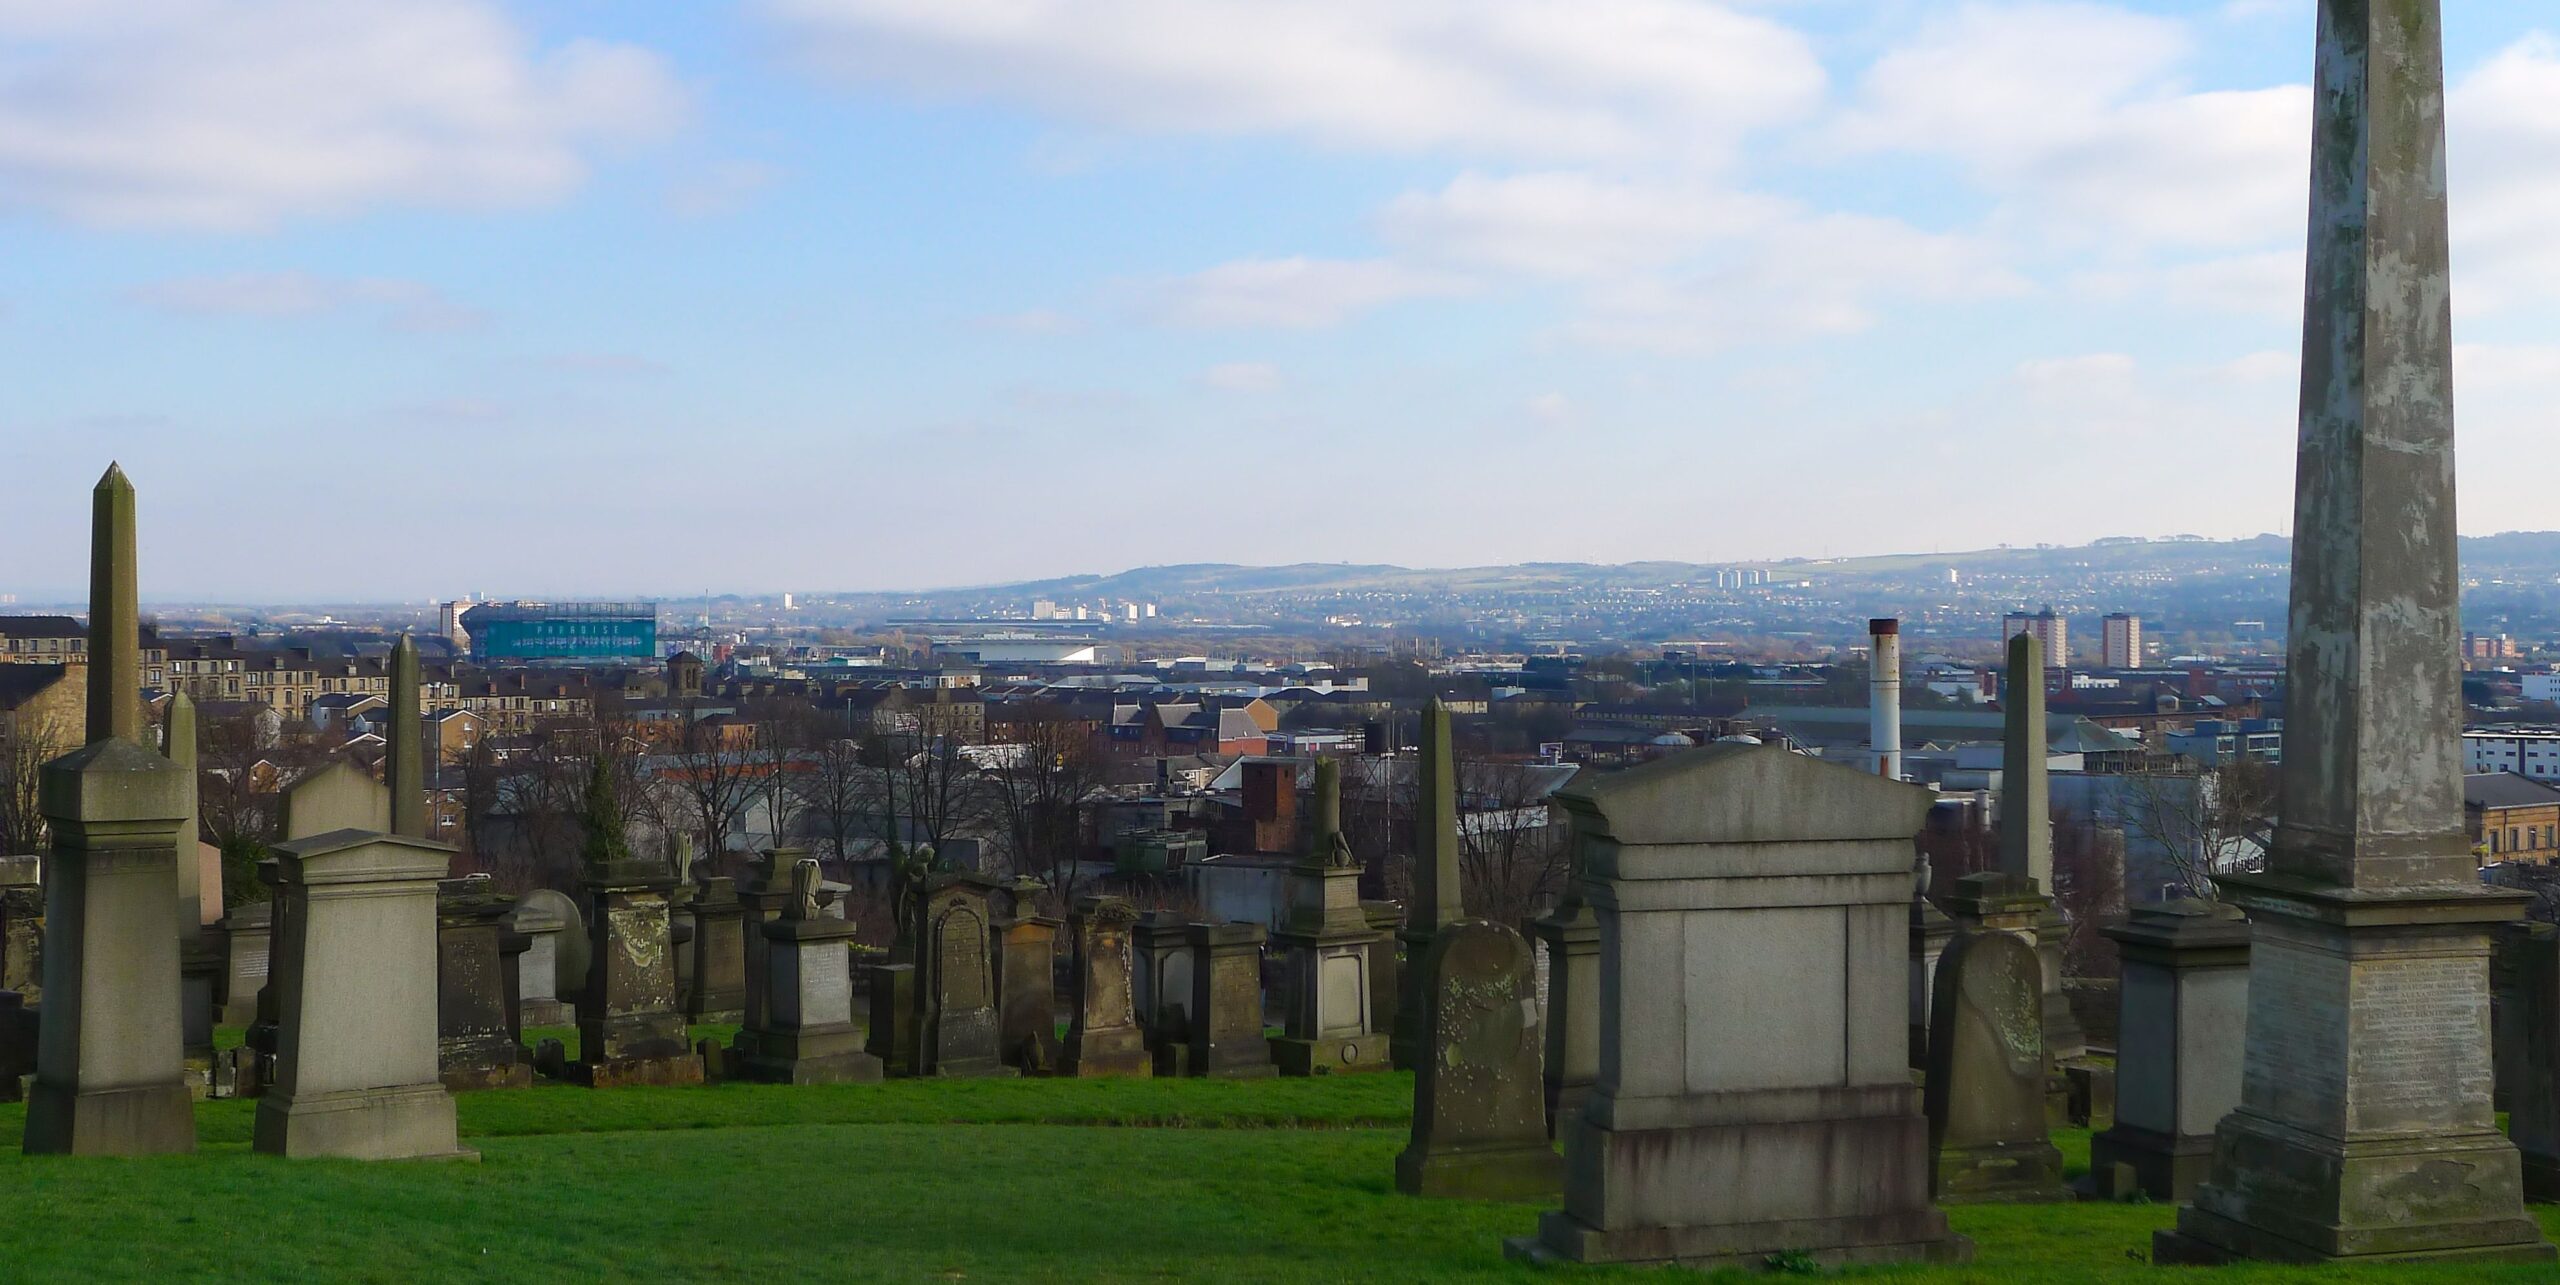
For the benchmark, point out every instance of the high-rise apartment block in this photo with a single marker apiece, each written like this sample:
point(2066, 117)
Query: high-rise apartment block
point(2121, 648)
point(2051, 630)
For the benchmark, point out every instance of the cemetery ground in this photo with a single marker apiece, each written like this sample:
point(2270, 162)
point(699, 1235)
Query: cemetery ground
point(993, 1179)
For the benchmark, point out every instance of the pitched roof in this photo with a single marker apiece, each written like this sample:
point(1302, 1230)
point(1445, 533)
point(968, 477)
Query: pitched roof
point(2506, 790)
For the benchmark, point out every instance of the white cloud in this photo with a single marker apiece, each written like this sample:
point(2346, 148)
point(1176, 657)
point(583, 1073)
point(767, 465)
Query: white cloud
point(233, 114)
point(1566, 224)
point(2076, 116)
point(2504, 156)
point(401, 305)
point(722, 188)
point(1812, 276)
point(1293, 293)
point(1533, 78)
point(1242, 377)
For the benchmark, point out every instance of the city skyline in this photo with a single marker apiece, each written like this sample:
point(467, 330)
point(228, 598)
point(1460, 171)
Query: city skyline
point(855, 295)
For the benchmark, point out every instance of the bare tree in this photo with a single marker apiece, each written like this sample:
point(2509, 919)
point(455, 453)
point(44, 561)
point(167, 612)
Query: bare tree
point(1039, 792)
point(838, 796)
point(716, 778)
point(932, 790)
point(2206, 821)
point(27, 743)
point(1512, 853)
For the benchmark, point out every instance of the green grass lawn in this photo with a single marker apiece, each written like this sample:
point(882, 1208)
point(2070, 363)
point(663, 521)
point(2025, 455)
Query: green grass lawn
point(991, 1180)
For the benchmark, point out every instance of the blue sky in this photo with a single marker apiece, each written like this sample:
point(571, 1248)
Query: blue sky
point(410, 299)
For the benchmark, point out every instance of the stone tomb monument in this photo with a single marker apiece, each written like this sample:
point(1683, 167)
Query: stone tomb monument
point(1479, 1104)
point(956, 1015)
point(809, 1036)
point(1027, 981)
point(2185, 991)
point(244, 968)
point(1225, 1017)
point(2365, 1128)
point(110, 1070)
point(1570, 936)
point(476, 1046)
point(337, 797)
point(1161, 989)
point(719, 991)
point(355, 978)
point(1325, 1010)
point(2534, 1012)
point(891, 1036)
point(1754, 1095)
point(1103, 1037)
point(549, 921)
point(760, 902)
point(22, 927)
point(629, 1031)
point(1987, 1070)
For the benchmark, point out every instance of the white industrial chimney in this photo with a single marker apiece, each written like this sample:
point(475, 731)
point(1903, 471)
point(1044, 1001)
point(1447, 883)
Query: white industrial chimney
point(1884, 694)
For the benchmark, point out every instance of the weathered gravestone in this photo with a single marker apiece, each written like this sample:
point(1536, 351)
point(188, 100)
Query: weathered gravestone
point(2026, 839)
point(1570, 937)
point(760, 902)
point(199, 955)
point(244, 952)
point(1161, 990)
point(1754, 1096)
point(891, 1036)
point(22, 927)
point(2184, 995)
point(1027, 982)
point(2534, 1101)
point(629, 1031)
point(1931, 930)
point(111, 1071)
point(1986, 1079)
point(1479, 1103)
point(1103, 1037)
point(553, 929)
point(956, 1015)
point(719, 991)
point(1997, 901)
point(355, 978)
point(335, 798)
point(476, 1045)
point(2365, 1128)
point(809, 1036)
point(1225, 1015)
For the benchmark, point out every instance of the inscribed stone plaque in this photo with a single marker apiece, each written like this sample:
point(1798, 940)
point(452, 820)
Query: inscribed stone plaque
point(2420, 1043)
point(1342, 989)
point(826, 989)
point(961, 948)
point(2295, 1061)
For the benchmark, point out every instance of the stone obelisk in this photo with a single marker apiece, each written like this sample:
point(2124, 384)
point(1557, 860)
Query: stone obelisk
point(403, 767)
point(115, 614)
point(2365, 1128)
point(1437, 902)
point(179, 732)
point(2026, 788)
point(110, 1071)
point(2026, 842)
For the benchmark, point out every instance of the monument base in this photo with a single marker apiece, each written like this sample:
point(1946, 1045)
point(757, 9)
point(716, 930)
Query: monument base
point(2389, 1149)
point(517, 1074)
point(2000, 1174)
point(414, 1122)
point(1526, 1174)
point(1842, 1242)
point(2314, 1200)
point(2125, 1160)
point(151, 1120)
point(613, 1073)
point(1337, 1055)
point(1123, 1053)
point(810, 1057)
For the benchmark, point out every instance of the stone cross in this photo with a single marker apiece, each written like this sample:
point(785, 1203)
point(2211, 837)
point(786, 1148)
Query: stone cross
point(2026, 801)
point(403, 768)
point(2366, 1128)
point(115, 615)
